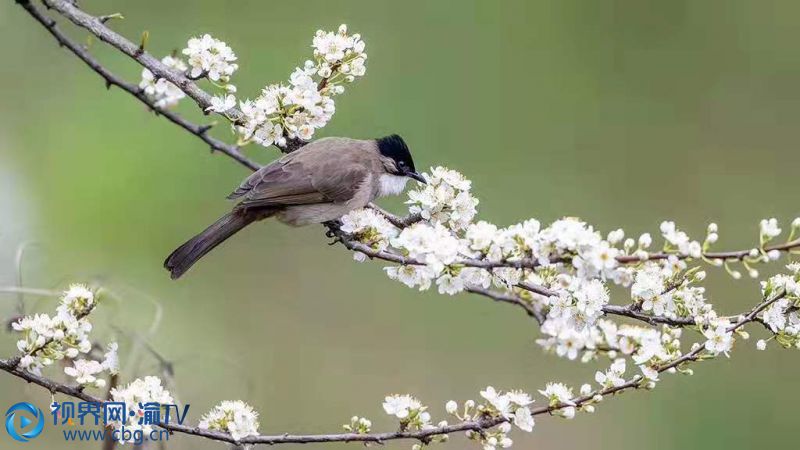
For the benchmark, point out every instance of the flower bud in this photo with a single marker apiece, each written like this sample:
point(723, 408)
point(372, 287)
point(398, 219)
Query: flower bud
point(700, 276)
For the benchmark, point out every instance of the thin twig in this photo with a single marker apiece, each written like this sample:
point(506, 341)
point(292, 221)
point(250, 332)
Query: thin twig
point(201, 131)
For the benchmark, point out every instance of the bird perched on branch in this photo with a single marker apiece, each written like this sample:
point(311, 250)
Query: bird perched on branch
point(320, 182)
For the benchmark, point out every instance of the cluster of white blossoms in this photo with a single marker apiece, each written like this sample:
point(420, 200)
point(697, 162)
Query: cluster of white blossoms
point(412, 413)
point(207, 57)
point(446, 199)
point(210, 57)
point(236, 418)
point(783, 316)
point(306, 104)
point(136, 395)
point(86, 371)
point(561, 272)
point(358, 425)
point(163, 93)
point(48, 339)
point(511, 405)
point(282, 111)
point(370, 228)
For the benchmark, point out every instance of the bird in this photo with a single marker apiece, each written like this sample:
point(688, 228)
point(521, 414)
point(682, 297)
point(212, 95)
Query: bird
point(320, 182)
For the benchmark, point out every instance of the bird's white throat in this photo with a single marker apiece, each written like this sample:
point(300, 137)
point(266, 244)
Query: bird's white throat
point(391, 184)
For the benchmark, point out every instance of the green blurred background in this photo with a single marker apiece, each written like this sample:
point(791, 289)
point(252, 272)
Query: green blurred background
point(624, 113)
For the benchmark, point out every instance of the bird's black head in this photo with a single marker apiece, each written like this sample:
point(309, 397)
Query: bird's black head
point(395, 148)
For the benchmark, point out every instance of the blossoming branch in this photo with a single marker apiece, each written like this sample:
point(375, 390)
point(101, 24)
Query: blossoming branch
point(558, 273)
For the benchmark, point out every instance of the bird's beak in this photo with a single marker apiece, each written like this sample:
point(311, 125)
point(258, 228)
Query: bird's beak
point(417, 177)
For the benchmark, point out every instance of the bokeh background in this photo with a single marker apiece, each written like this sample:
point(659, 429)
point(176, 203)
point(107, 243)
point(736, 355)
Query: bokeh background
point(624, 113)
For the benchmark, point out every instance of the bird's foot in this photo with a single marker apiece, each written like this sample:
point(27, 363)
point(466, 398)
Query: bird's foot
point(333, 229)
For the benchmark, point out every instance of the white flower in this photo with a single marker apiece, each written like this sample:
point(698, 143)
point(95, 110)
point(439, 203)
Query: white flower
point(444, 199)
point(269, 134)
point(369, 227)
point(519, 398)
point(451, 407)
point(649, 373)
point(761, 344)
point(135, 395)
point(449, 284)
point(613, 376)
point(680, 240)
point(331, 46)
point(359, 425)
point(434, 245)
point(236, 418)
point(616, 236)
point(557, 394)
point(210, 57)
point(84, 372)
point(524, 419)
point(719, 339)
point(77, 298)
point(590, 299)
point(500, 402)
point(775, 315)
point(412, 276)
point(401, 406)
point(648, 284)
point(222, 103)
point(163, 93)
point(769, 228)
point(111, 360)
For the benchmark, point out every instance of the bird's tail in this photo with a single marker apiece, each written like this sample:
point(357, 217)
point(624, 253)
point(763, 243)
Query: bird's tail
point(195, 248)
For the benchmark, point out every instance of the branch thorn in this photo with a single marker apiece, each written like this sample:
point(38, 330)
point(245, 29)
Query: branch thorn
point(106, 18)
point(143, 44)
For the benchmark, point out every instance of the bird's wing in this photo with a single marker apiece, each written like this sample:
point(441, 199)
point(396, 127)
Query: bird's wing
point(276, 175)
point(340, 183)
point(302, 181)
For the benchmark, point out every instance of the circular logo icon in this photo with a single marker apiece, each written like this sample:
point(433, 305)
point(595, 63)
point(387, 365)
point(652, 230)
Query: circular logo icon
point(29, 425)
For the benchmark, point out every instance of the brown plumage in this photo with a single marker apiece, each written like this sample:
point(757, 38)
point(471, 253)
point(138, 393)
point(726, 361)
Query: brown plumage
point(321, 181)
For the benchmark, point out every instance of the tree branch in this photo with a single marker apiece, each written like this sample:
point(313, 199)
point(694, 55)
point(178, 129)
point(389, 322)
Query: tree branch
point(201, 131)
point(421, 435)
point(96, 26)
